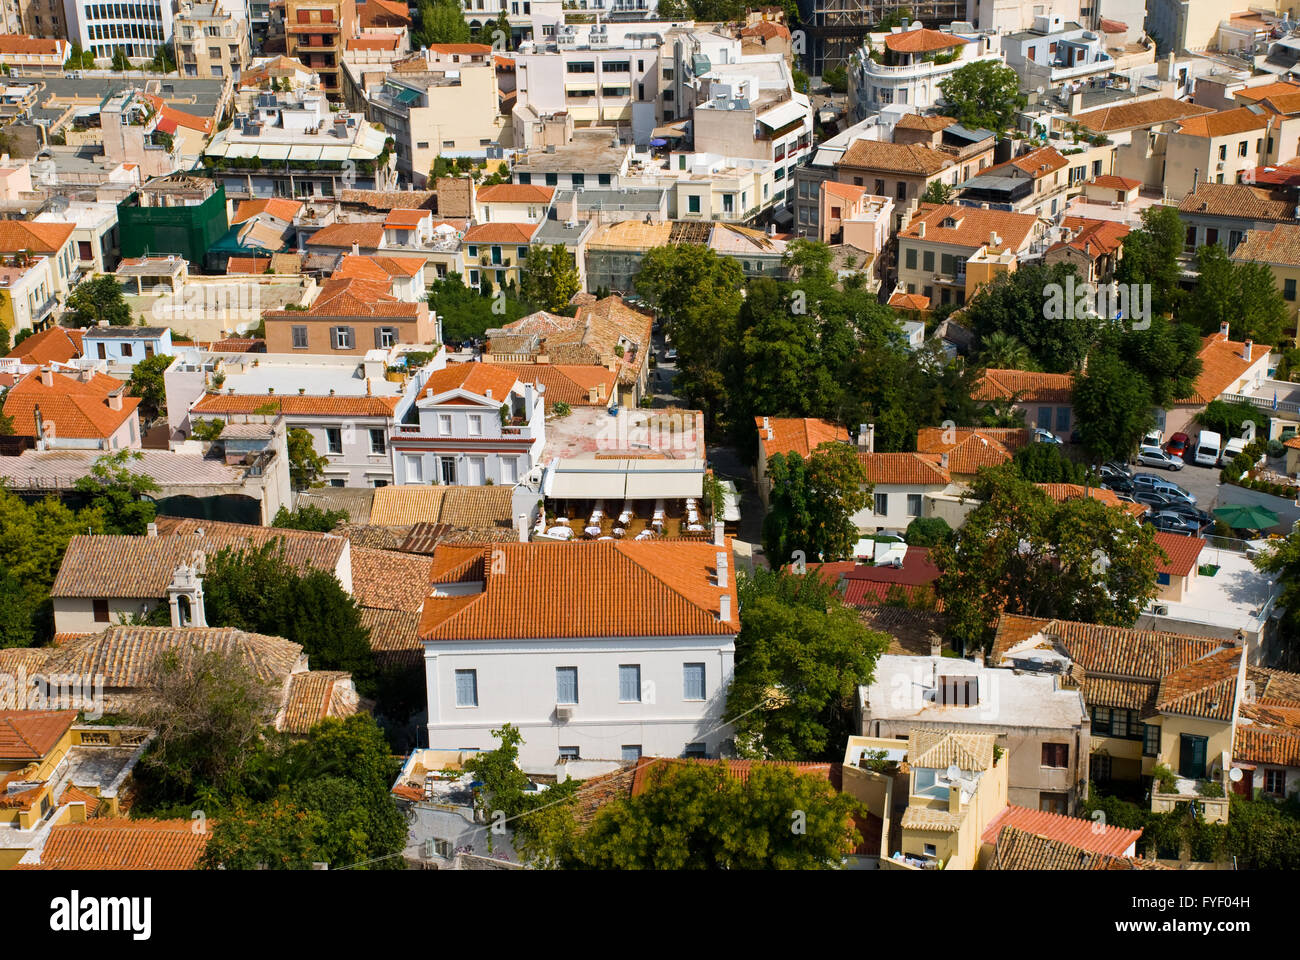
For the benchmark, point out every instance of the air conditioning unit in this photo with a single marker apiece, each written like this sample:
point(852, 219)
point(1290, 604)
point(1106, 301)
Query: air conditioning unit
point(1160, 610)
point(564, 711)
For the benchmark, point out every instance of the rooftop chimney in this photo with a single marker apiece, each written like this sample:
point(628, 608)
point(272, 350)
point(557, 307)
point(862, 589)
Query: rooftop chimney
point(1245, 354)
point(724, 607)
point(115, 400)
point(47, 377)
point(943, 461)
point(1223, 329)
point(356, 249)
point(722, 569)
point(719, 536)
point(523, 528)
point(767, 428)
point(867, 437)
point(920, 229)
point(151, 530)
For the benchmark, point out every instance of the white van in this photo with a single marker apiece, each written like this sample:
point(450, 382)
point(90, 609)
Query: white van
point(1230, 449)
point(1208, 446)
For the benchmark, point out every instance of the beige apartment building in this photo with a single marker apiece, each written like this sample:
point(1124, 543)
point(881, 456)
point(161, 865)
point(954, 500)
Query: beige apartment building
point(43, 18)
point(1223, 147)
point(211, 41)
point(316, 32)
point(933, 249)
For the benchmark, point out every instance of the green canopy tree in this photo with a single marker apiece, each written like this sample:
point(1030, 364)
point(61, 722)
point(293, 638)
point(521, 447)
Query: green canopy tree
point(1152, 256)
point(985, 94)
point(1021, 306)
point(1112, 408)
point(695, 816)
point(305, 467)
point(441, 21)
point(99, 298)
point(1242, 294)
point(120, 61)
point(1021, 552)
point(811, 504)
point(800, 656)
point(148, 384)
point(550, 277)
point(308, 516)
point(119, 494)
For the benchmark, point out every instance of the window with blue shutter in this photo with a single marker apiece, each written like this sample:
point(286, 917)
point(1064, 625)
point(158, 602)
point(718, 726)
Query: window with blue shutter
point(467, 688)
point(566, 684)
point(693, 681)
point(629, 683)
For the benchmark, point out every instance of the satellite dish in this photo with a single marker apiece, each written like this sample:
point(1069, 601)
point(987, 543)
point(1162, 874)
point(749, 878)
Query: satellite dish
point(953, 771)
point(1235, 775)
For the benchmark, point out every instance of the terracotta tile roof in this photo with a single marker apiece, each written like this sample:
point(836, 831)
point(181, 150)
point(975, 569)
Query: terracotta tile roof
point(1266, 90)
point(120, 844)
point(179, 117)
point(393, 631)
point(457, 506)
point(375, 13)
point(1112, 26)
point(367, 235)
point(969, 448)
point(766, 29)
point(1223, 362)
point(1278, 686)
point(515, 193)
point(12, 43)
point(970, 226)
point(845, 191)
point(906, 158)
point(909, 469)
point(909, 301)
point(126, 656)
point(922, 41)
point(406, 218)
point(378, 269)
point(1060, 492)
point(77, 409)
point(31, 734)
point(461, 48)
point(279, 207)
point(1017, 849)
point(1080, 833)
point(387, 579)
point(17, 236)
point(479, 379)
point(1025, 386)
point(1238, 200)
point(1205, 689)
point(930, 818)
point(247, 266)
point(313, 696)
point(939, 749)
point(1267, 733)
point(1095, 238)
point(1285, 104)
point(1112, 181)
point(27, 659)
point(345, 298)
point(588, 337)
point(386, 200)
point(592, 589)
point(1143, 113)
point(1281, 245)
point(142, 567)
point(916, 121)
point(519, 233)
point(1183, 553)
point(296, 406)
point(72, 794)
point(910, 632)
point(649, 770)
point(1037, 163)
point(568, 383)
point(1225, 123)
point(801, 435)
point(53, 345)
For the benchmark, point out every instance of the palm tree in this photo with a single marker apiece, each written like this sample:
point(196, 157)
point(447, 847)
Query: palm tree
point(1001, 351)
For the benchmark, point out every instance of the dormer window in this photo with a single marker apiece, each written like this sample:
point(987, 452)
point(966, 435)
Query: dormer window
point(950, 223)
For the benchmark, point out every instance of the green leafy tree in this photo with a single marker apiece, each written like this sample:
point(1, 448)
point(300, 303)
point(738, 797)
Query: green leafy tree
point(209, 710)
point(811, 503)
point(162, 60)
point(99, 298)
point(1164, 355)
point(837, 78)
point(74, 56)
point(1029, 306)
point(119, 494)
point(120, 61)
point(1021, 552)
point(501, 31)
point(1044, 463)
point(148, 384)
point(697, 293)
point(695, 816)
point(257, 590)
point(984, 93)
point(207, 430)
point(927, 532)
point(937, 192)
point(1002, 351)
point(1112, 409)
point(465, 313)
point(1242, 294)
point(1282, 562)
point(1152, 256)
point(305, 467)
point(550, 277)
point(441, 21)
point(308, 516)
point(800, 657)
point(277, 835)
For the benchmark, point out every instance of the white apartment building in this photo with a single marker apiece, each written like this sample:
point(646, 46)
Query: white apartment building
point(1054, 51)
point(473, 424)
point(138, 28)
point(907, 67)
point(546, 636)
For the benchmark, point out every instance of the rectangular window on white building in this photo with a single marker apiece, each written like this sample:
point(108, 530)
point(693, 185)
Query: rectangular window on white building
point(444, 424)
point(566, 684)
point(693, 681)
point(467, 688)
point(629, 683)
point(882, 504)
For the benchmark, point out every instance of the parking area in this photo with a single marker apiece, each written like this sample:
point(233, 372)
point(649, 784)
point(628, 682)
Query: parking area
point(1201, 482)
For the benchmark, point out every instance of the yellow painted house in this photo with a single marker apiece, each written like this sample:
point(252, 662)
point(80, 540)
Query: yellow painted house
point(1159, 703)
point(1279, 250)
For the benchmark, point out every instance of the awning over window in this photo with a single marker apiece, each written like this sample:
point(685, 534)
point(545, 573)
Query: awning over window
point(625, 479)
point(303, 152)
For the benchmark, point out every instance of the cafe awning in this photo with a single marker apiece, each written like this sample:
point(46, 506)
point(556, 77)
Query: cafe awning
point(629, 479)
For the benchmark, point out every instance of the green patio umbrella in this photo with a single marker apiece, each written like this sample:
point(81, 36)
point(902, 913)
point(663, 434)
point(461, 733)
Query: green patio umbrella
point(1242, 516)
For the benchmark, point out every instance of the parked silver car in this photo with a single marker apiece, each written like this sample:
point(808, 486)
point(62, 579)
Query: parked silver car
point(1155, 457)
